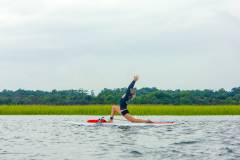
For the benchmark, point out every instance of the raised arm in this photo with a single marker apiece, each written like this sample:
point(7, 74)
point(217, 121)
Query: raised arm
point(132, 85)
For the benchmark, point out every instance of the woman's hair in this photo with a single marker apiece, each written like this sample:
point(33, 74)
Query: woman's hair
point(133, 91)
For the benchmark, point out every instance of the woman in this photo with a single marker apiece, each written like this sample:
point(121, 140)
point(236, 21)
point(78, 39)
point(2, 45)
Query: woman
point(122, 109)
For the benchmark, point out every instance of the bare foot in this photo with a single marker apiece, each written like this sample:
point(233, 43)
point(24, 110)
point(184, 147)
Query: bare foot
point(110, 121)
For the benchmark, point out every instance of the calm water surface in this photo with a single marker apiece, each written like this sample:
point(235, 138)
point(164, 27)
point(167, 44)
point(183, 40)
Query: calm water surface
point(55, 138)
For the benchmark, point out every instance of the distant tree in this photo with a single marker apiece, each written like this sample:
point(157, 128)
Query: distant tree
point(112, 96)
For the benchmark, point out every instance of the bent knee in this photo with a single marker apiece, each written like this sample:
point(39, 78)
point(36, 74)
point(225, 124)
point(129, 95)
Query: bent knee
point(114, 106)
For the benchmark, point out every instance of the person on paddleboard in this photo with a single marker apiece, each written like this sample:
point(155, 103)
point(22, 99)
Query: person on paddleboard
point(122, 108)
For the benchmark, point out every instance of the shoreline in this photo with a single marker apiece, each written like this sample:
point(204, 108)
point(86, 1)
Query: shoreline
point(144, 110)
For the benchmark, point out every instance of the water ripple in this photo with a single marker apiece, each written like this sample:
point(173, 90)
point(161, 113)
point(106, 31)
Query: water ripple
point(48, 137)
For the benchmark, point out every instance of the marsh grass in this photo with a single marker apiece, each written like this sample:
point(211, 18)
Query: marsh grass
point(105, 110)
point(185, 110)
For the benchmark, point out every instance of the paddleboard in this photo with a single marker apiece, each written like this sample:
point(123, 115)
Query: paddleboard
point(123, 124)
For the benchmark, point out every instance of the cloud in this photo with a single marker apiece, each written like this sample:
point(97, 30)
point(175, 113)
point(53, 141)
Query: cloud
point(72, 42)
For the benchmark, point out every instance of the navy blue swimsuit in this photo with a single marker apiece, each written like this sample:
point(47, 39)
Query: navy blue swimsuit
point(125, 98)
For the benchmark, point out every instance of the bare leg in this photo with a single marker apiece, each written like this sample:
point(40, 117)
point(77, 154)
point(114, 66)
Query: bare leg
point(136, 120)
point(115, 109)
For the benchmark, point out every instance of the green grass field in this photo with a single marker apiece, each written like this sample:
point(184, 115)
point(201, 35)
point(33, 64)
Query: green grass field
point(105, 110)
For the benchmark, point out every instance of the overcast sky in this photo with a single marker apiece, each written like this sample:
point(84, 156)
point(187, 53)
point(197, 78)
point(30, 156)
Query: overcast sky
point(96, 44)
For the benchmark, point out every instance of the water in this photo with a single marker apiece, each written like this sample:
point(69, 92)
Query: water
point(54, 138)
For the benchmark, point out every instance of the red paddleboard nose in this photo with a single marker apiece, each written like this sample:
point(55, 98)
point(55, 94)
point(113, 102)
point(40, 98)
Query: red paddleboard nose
point(97, 121)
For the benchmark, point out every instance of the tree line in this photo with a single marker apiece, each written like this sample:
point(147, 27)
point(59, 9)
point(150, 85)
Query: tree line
point(112, 96)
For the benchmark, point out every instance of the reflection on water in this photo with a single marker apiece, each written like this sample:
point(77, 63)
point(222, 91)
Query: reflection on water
point(53, 137)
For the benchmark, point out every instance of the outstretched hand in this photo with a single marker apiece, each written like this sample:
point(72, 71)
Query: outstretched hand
point(135, 78)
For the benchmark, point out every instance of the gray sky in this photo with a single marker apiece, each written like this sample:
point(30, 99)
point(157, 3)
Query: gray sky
point(96, 44)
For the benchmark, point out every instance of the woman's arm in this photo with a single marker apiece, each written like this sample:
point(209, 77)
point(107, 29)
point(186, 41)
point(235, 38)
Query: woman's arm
point(131, 85)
